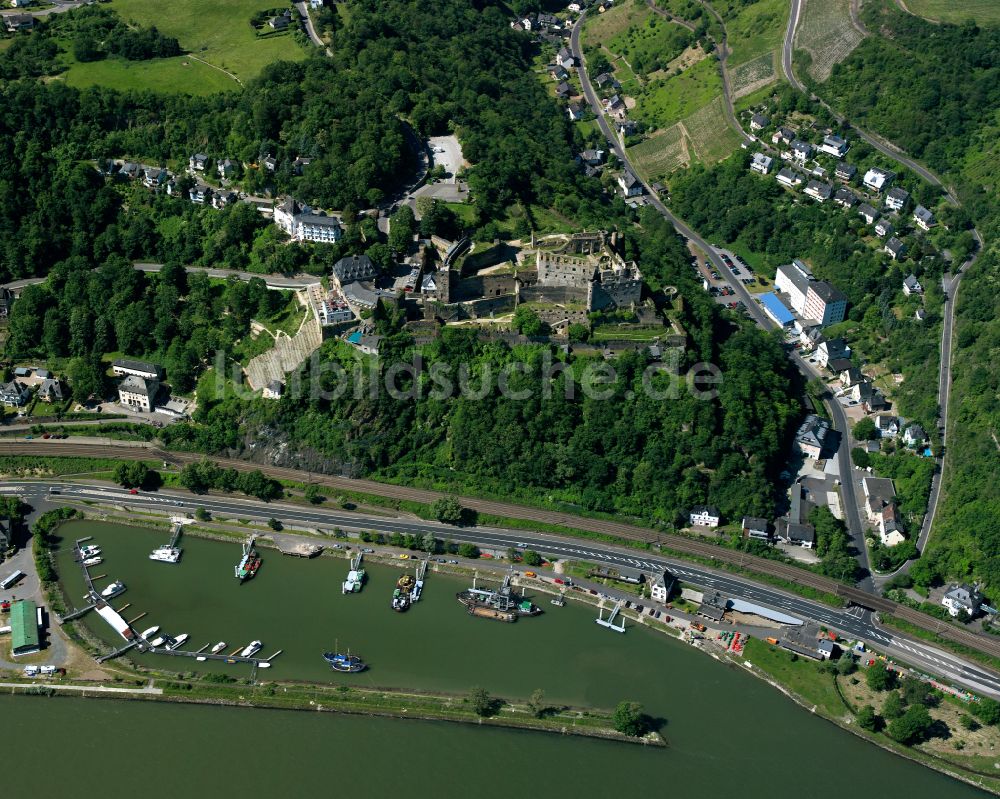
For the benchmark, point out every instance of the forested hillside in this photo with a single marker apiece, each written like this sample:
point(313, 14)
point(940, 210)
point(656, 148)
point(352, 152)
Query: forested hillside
point(935, 90)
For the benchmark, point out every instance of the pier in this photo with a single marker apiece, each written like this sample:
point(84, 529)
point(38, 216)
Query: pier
point(301, 549)
point(609, 622)
point(175, 534)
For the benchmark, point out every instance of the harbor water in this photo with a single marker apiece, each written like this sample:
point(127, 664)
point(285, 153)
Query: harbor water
point(728, 732)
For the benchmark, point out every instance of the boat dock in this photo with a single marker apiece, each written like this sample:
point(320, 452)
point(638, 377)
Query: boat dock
point(175, 534)
point(300, 549)
point(609, 622)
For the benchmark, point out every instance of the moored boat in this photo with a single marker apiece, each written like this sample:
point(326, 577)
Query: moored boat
point(502, 603)
point(149, 632)
point(401, 596)
point(166, 554)
point(95, 561)
point(115, 589)
point(90, 551)
point(347, 664)
point(160, 640)
point(180, 640)
point(218, 647)
point(251, 649)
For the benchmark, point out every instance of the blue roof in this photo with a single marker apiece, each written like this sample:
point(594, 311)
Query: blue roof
point(776, 308)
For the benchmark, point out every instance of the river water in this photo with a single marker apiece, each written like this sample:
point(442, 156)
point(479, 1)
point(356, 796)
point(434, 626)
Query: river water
point(728, 731)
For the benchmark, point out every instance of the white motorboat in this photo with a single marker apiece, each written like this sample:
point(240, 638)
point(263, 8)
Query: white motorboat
point(95, 561)
point(264, 664)
point(251, 649)
point(166, 554)
point(158, 641)
point(113, 590)
point(179, 640)
point(149, 633)
point(201, 658)
point(218, 647)
point(90, 551)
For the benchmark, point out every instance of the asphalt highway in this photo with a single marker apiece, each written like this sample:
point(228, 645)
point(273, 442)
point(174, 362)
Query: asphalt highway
point(854, 622)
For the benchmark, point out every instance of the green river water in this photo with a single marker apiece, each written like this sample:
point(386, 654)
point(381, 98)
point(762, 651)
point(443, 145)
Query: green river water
point(729, 733)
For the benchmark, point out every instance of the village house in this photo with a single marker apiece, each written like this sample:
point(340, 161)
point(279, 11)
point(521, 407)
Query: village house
point(199, 193)
point(783, 135)
point(877, 179)
point(866, 212)
point(895, 248)
point(557, 73)
point(759, 122)
point(592, 157)
point(897, 198)
point(564, 58)
point(221, 199)
point(761, 163)
point(845, 197)
point(575, 112)
point(789, 177)
point(273, 390)
point(122, 367)
point(795, 533)
point(226, 169)
point(819, 191)
point(802, 151)
point(884, 228)
point(911, 285)
point(14, 394)
point(756, 529)
point(850, 376)
point(962, 597)
point(704, 516)
point(50, 390)
point(154, 177)
point(812, 435)
point(18, 22)
point(661, 588)
point(845, 172)
point(353, 268)
point(270, 162)
point(563, 90)
point(914, 436)
point(831, 350)
point(834, 145)
point(302, 223)
point(887, 426)
point(923, 218)
point(138, 393)
point(198, 162)
point(630, 185)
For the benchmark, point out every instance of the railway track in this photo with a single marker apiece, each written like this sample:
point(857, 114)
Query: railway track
point(628, 532)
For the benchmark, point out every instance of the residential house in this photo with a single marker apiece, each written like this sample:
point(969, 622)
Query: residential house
point(315, 5)
point(877, 179)
point(198, 162)
point(123, 367)
point(704, 516)
point(923, 218)
point(130, 170)
point(154, 178)
point(549, 21)
point(845, 197)
point(911, 285)
point(630, 185)
point(592, 157)
point(661, 588)
point(761, 163)
point(18, 22)
point(810, 336)
point(895, 248)
point(914, 436)
point(826, 649)
point(606, 81)
point(273, 390)
point(802, 151)
point(795, 533)
point(819, 191)
point(50, 390)
point(757, 529)
point(713, 607)
point(887, 426)
point(866, 212)
point(838, 365)
point(575, 112)
point(626, 127)
point(227, 169)
point(831, 350)
point(6, 301)
point(563, 90)
point(876, 403)
point(270, 162)
point(880, 494)
point(890, 526)
point(845, 172)
point(14, 394)
point(834, 145)
point(564, 58)
point(962, 597)
point(789, 177)
point(759, 122)
point(812, 436)
point(851, 376)
point(613, 103)
point(783, 135)
point(302, 223)
point(22, 371)
point(281, 22)
point(862, 392)
point(299, 164)
point(557, 73)
point(920, 314)
point(884, 228)
point(221, 199)
point(138, 393)
point(897, 198)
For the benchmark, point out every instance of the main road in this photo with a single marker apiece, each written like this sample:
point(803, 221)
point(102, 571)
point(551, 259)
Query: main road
point(850, 502)
point(853, 622)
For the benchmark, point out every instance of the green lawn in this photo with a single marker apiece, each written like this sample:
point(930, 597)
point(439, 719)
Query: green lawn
point(984, 12)
point(664, 102)
point(218, 32)
point(756, 29)
point(651, 45)
point(802, 677)
point(181, 74)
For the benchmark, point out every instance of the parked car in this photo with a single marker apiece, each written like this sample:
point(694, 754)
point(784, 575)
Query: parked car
point(368, 551)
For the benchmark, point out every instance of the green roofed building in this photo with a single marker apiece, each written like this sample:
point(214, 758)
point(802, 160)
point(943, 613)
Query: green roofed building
point(24, 628)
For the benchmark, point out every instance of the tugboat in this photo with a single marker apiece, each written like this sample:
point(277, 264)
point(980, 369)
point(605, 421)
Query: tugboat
point(401, 595)
point(115, 589)
point(346, 664)
point(501, 604)
point(249, 563)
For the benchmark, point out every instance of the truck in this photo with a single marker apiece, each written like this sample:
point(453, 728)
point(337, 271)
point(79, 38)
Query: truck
point(698, 626)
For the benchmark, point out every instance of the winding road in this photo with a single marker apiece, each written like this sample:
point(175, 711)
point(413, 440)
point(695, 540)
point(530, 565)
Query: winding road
point(840, 421)
point(950, 282)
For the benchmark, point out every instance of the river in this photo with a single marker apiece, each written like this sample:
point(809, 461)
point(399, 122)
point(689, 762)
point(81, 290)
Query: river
point(728, 731)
